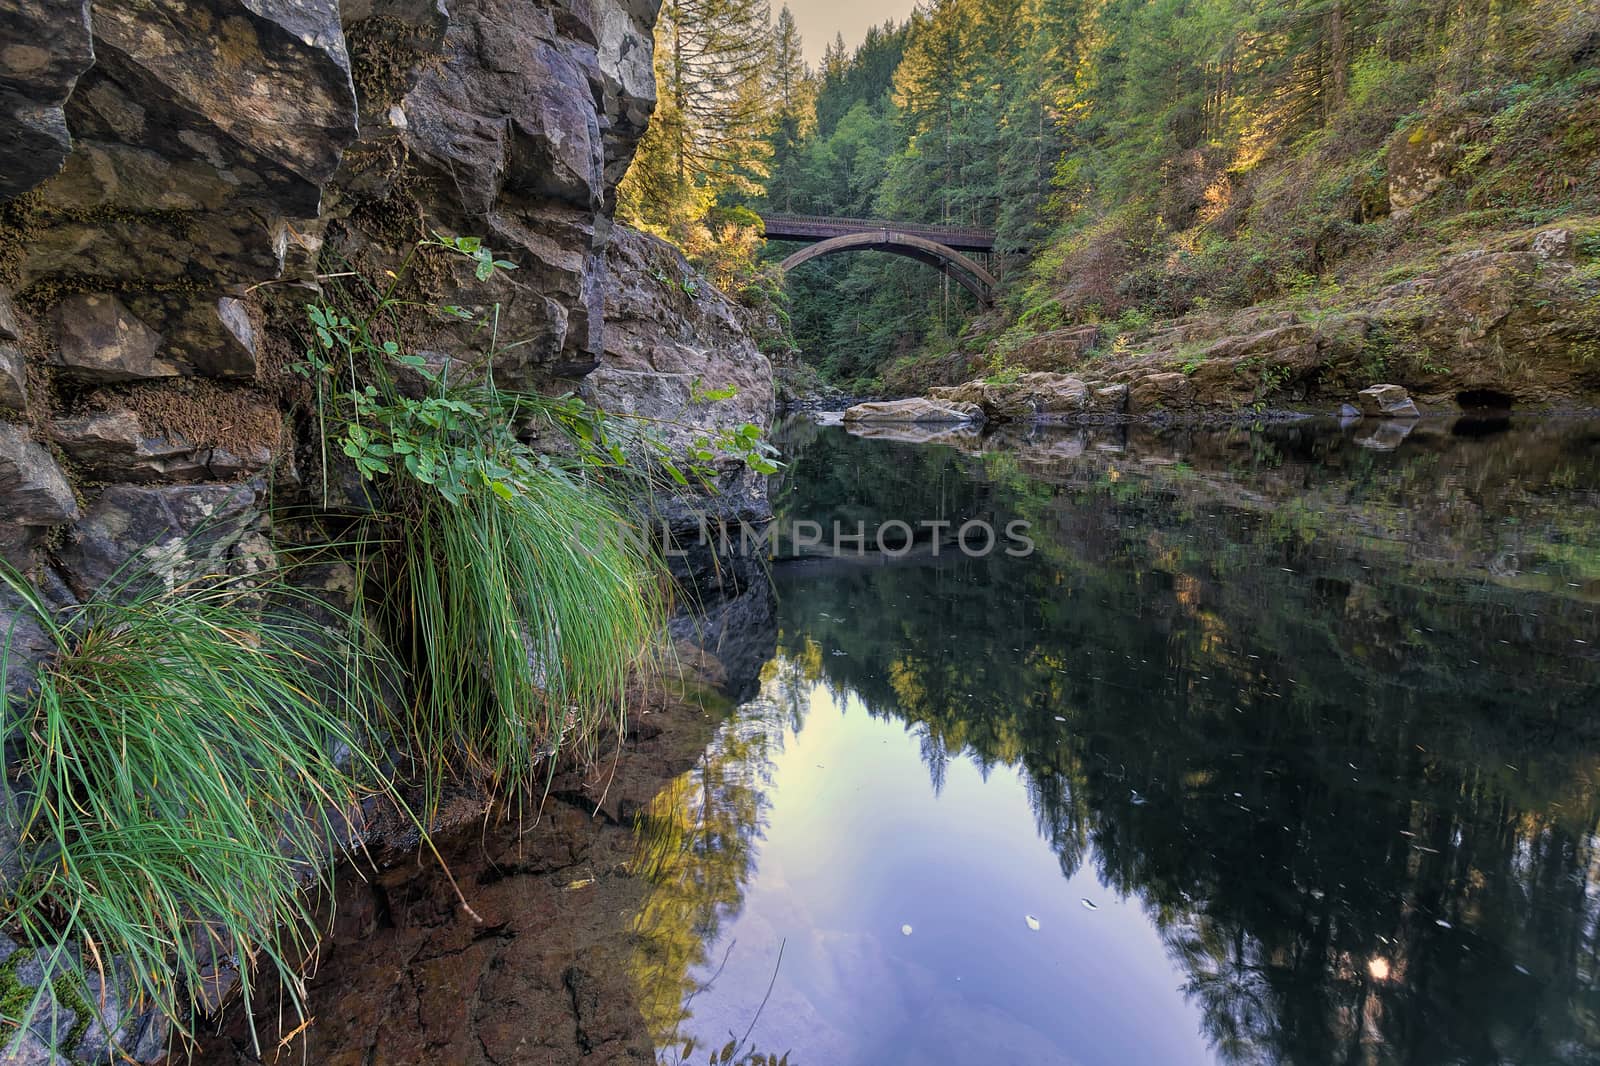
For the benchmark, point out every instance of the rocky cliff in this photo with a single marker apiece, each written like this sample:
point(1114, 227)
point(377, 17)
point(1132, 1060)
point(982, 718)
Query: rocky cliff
point(1509, 321)
point(177, 175)
point(191, 164)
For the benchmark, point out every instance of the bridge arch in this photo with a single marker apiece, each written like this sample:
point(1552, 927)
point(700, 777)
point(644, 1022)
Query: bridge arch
point(967, 273)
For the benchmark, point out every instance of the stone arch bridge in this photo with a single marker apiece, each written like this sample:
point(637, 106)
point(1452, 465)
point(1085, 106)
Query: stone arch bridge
point(938, 246)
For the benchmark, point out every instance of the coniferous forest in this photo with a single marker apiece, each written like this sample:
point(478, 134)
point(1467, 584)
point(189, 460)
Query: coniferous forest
point(1139, 160)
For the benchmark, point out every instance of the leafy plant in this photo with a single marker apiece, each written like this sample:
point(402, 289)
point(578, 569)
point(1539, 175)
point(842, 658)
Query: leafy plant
point(1004, 374)
point(380, 428)
point(698, 393)
point(1133, 320)
point(484, 262)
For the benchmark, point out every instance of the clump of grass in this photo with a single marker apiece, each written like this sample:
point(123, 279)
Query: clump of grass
point(189, 761)
point(528, 604)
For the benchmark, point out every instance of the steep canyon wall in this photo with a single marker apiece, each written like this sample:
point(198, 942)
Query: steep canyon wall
point(177, 176)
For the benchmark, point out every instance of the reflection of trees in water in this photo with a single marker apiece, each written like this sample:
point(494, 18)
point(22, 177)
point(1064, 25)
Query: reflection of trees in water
point(698, 843)
point(1357, 791)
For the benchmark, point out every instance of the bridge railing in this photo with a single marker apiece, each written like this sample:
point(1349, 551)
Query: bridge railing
point(780, 225)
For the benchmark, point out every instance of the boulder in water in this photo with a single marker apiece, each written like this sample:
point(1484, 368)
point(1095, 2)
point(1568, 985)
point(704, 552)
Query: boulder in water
point(1387, 401)
point(917, 410)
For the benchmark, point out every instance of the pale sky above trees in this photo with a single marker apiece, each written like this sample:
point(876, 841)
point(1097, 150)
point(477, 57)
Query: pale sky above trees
point(819, 20)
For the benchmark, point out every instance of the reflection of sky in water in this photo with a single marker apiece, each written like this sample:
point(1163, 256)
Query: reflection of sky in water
point(858, 845)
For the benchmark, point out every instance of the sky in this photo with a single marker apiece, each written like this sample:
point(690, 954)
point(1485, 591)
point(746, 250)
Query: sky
point(819, 20)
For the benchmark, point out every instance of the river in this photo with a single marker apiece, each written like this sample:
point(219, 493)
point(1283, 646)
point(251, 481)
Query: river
point(1280, 746)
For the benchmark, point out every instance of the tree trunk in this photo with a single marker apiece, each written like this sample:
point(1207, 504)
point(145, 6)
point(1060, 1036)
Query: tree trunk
point(1338, 42)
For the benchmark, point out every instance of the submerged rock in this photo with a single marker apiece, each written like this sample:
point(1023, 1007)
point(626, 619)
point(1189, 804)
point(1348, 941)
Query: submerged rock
point(1386, 435)
point(959, 434)
point(406, 978)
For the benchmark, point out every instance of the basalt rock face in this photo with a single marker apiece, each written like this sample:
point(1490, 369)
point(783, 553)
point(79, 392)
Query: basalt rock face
point(44, 48)
point(678, 357)
point(169, 169)
point(216, 145)
point(177, 175)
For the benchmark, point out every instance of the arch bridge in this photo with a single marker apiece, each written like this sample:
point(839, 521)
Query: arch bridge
point(938, 246)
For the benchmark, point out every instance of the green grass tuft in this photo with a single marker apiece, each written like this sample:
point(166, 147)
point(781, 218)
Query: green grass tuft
point(511, 581)
point(528, 605)
point(186, 765)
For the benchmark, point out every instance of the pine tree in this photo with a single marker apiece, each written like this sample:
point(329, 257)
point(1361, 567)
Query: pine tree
point(923, 179)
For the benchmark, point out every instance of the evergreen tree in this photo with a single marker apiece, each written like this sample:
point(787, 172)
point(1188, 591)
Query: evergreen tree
point(1150, 154)
point(791, 91)
point(708, 137)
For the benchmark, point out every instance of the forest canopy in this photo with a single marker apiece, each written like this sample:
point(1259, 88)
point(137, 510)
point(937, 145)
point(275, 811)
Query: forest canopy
point(1138, 159)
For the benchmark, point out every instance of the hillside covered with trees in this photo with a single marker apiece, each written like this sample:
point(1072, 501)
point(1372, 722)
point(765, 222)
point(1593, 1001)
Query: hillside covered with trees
point(1142, 161)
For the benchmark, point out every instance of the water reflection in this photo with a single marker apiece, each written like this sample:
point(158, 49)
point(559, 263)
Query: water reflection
point(1309, 723)
point(697, 846)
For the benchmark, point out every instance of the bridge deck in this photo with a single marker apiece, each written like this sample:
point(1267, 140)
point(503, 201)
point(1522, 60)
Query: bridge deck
point(808, 229)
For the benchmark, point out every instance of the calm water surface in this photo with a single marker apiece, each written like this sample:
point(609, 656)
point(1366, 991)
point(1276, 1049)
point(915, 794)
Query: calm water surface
point(1281, 747)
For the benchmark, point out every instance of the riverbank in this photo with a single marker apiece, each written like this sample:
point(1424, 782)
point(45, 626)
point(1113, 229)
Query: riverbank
point(1509, 322)
point(356, 355)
